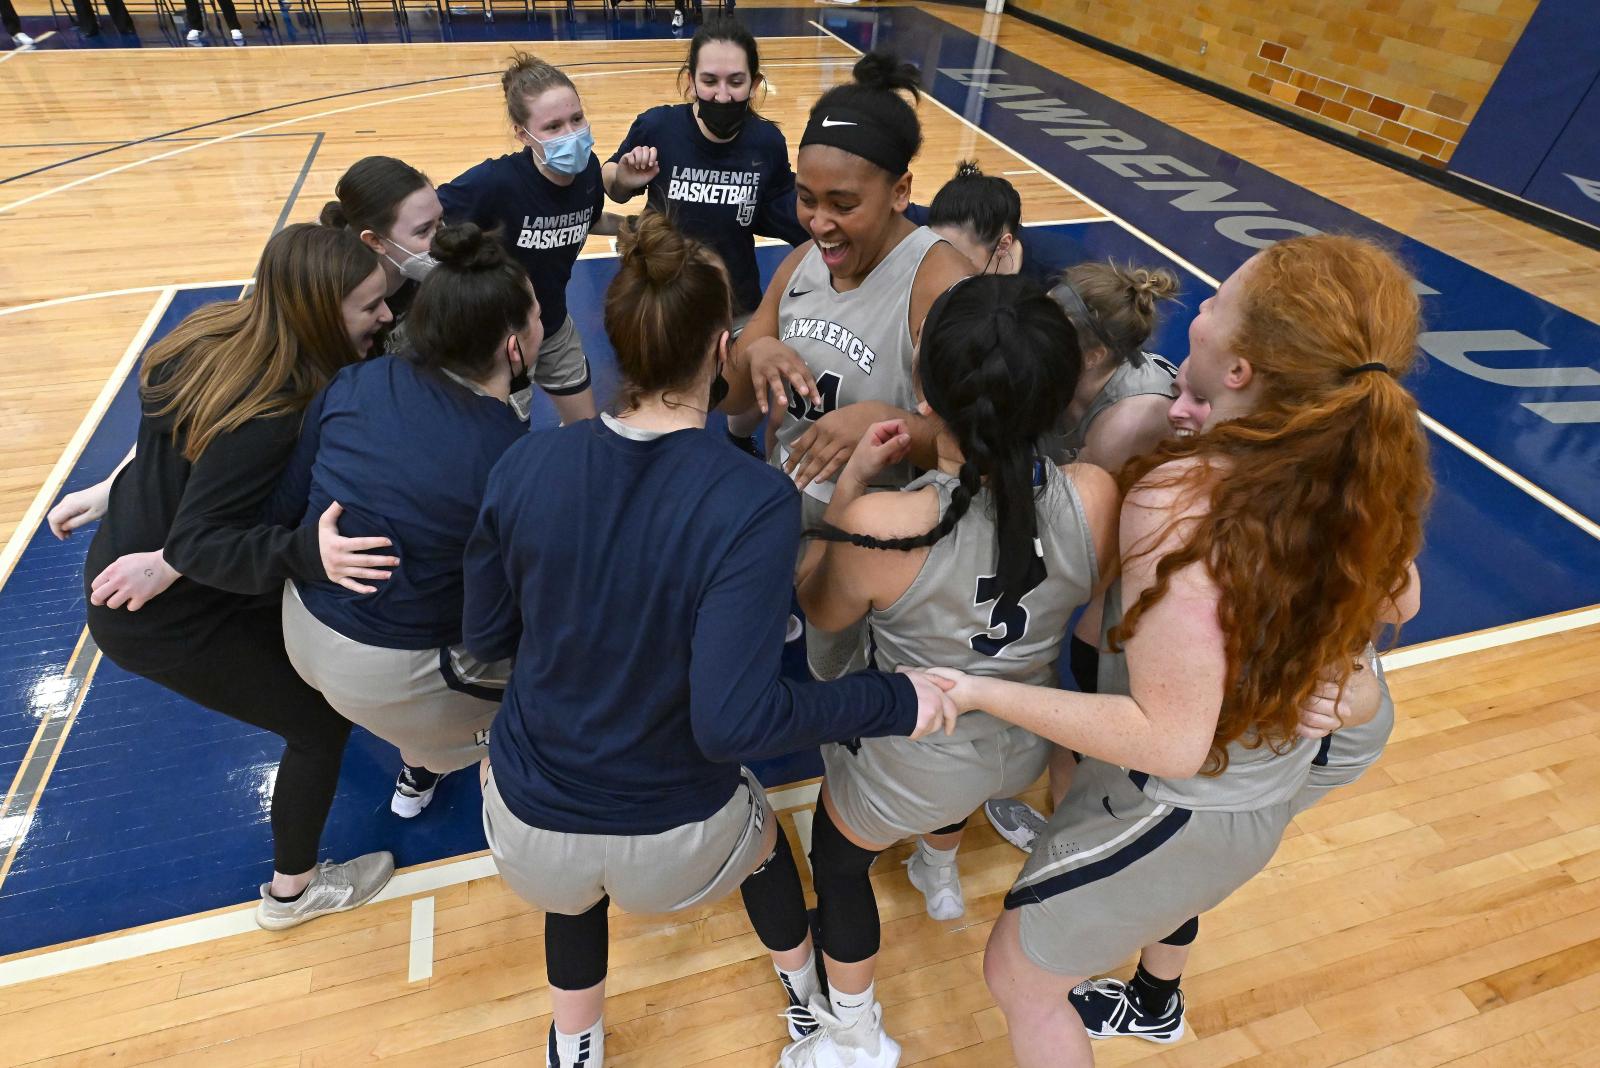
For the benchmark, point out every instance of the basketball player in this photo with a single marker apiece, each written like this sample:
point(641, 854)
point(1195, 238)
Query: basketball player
point(390, 659)
point(543, 201)
point(988, 556)
point(1351, 737)
point(392, 207)
point(639, 539)
point(840, 319)
point(1314, 444)
point(979, 214)
point(180, 548)
point(717, 168)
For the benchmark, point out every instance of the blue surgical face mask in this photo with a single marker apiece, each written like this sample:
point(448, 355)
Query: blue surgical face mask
point(568, 154)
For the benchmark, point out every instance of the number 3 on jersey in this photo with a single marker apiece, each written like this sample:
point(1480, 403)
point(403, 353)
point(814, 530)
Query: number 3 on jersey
point(828, 384)
point(1009, 617)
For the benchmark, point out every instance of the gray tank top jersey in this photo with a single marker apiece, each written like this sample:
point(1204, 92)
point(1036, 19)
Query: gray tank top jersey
point(1152, 376)
point(950, 616)
point(1255, 778)
point(857, 344)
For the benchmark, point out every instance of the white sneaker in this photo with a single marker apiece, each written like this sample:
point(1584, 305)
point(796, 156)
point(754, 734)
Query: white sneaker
point(22, 40)
point(333, 888)
point(863, 1045)
point(408, 801)
point(192, 36)
point(677, 20)
point(237, 35)
point(940, 885)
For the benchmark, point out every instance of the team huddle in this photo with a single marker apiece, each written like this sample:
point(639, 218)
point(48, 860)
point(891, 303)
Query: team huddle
point(335, 514)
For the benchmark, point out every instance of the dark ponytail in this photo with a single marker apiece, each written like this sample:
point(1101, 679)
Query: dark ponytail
point(468, 304)
point(984, 204)
point(870, 117)
point(369, 194)
point(999, 362)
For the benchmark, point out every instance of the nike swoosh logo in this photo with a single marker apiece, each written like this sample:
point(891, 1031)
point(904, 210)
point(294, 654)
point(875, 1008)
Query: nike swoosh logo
point(798, 292)
point(836, 122)
point(1136, 1027)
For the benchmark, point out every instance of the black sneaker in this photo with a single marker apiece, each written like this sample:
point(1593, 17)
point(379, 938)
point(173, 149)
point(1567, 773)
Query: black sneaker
point(1108, 1011)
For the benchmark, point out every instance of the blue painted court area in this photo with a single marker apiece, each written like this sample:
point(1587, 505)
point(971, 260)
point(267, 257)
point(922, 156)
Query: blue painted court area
point(157, 809)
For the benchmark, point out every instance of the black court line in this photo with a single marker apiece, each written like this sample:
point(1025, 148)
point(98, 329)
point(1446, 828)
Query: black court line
point(676, 58)
point(294, 193)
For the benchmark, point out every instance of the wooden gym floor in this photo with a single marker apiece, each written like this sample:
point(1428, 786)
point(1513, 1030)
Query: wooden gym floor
point(1445, 910)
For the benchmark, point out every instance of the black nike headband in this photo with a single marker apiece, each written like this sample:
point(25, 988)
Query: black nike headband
point(860, 134)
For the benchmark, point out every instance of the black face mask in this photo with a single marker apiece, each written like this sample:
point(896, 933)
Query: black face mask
point(723, 118)
point(719, 391)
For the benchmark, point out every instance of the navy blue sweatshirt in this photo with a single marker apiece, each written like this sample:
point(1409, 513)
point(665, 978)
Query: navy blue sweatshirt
point(406, 452)
point(543, 225)
point(721, 193)
point(644, 588)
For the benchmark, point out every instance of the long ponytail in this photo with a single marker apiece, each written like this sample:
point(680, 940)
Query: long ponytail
point(999, 361)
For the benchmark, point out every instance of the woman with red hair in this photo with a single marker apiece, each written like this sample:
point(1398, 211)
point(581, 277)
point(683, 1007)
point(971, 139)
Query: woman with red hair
point(1259, 557)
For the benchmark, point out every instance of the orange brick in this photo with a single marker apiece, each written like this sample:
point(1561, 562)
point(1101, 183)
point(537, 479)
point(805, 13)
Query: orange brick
point(1450, 130)
point(1433, 161)
point(1373, 140)
point(1425, 143)
point(1357, 99)
point(1277, 72)
point(1365, 120)
point(1285, 92)
point(1494, 51)
point(1310, 101)
point(1272, 52)
point(1293, 38)
point(1331, 90)
point(1387, 109)
point(1303, 80)
point(1260, 84)
point(1447, 106)
point(1336, 112)
point(1393, 131)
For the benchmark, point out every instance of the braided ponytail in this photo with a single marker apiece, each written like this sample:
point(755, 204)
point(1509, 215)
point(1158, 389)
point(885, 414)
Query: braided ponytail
point(998, 361)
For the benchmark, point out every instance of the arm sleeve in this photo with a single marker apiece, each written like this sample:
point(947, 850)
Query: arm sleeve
point(917, 214)
point(217, 537)
point(740, 707)
point(491, 624)
point(460, 197)
point(776, 215)
point(287, 506)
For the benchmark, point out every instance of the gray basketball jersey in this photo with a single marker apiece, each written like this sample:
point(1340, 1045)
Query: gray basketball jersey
point(1255, 778)
point(953, 616)
point(856, 344)
point(1152, 375)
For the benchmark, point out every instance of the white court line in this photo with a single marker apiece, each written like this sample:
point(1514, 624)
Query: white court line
point(494, 84)
point(160, 50)
point(37, 305)
point(420, 966)
point(15, 52)
point(1446, 648)
point(29, 524)
point(1544, 497)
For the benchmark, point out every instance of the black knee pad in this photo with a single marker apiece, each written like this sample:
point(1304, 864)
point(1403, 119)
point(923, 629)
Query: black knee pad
point(1185, 934)
point(1084, 660)
point(774, 900)
point(847, 909)
point(576, 947)
point(958, 825)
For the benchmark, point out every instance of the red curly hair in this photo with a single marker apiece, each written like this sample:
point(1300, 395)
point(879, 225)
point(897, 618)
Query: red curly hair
point(1317, 497)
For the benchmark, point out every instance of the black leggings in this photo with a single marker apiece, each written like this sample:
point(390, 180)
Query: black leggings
point(243, 672)
point(8, 18)
point(195, 16)
point(847, 908)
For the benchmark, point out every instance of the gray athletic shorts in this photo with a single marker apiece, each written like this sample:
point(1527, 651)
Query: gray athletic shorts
point(894, 788)
point(416, 700)
point(831, 656)
point(1115, 871)
point(694, 864)
point(561, 368)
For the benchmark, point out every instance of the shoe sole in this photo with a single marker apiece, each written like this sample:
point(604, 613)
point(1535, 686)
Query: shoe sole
point(395, 802)
point(1160, 1040)
point(267, 924)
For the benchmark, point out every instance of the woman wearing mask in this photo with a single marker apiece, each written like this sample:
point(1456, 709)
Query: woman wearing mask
point(394, 209)
point(543, 201)
point(389, 659)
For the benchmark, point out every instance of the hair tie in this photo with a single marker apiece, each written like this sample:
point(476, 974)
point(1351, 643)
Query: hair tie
point(1364, 368)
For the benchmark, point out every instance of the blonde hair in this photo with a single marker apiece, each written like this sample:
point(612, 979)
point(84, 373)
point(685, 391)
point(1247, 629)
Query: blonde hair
point(524, 81)
point(1123, 301)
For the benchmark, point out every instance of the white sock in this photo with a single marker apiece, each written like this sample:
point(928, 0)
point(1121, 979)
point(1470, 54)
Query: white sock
point(937, 858)
point(586, 1049)
point(849, 1008)
point(802, 984)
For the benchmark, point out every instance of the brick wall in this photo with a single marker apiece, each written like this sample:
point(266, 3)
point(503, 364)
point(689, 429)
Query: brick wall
point(1405, 74)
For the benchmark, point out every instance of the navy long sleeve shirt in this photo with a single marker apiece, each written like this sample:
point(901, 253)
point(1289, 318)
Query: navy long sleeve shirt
point(643, 587)
point(406, 452)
